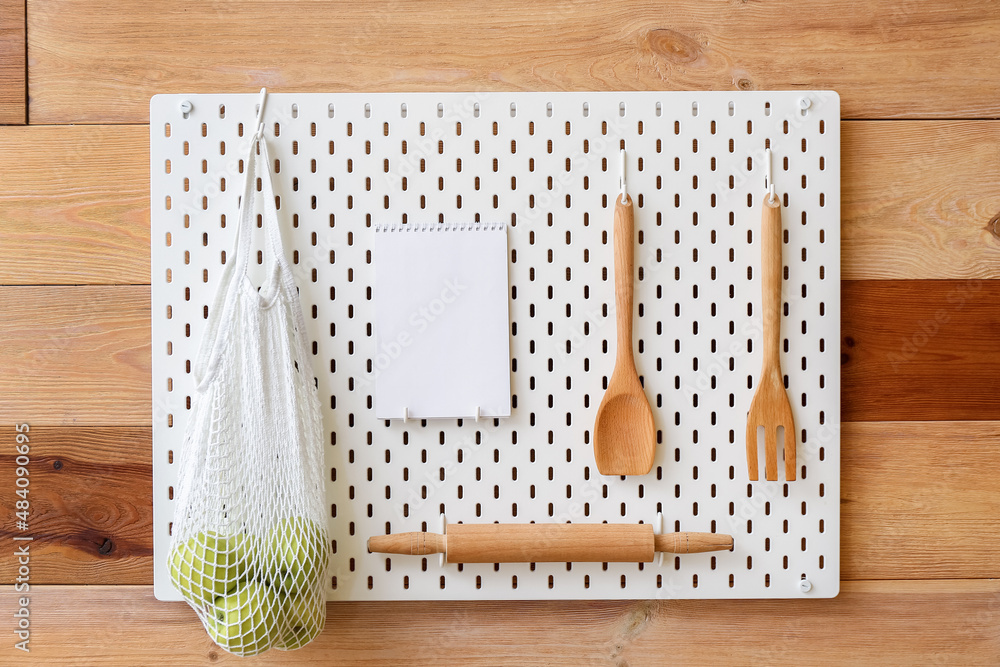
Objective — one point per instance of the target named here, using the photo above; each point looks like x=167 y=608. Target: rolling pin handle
x=693 y=543
x=408 y=544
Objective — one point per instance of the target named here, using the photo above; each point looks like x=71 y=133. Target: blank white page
x=441 y=321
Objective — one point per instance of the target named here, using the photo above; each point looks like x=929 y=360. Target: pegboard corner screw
x=186 y=107
x=805 y=585
x=805 y=103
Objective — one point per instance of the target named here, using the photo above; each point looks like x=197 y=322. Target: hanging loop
x=622 y=173
x=769 y=176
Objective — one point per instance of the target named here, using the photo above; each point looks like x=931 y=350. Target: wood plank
x=919 y=200
x=85 y=220
x=75 y=205
x=946 y=622
x=13 y=69
x=75 y=355
x=917 y=500
x=91 y=513
x=920 y=350
x=888 y=60
x=911 y=350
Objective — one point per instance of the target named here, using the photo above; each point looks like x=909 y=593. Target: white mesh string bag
x=249 y=545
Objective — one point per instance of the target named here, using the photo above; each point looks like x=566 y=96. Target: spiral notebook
x=441 y=321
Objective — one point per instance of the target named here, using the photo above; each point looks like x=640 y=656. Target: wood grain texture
x=920 y=350
x=13 y=72
x=99 y=62
x=85 y=220
x=92 y=518
x=75 y=355
x=911 y=350
x=74 y=206
x=919 y=200
x=920 y=622
x=920 y=500
x=546 y=543
x=91 y=505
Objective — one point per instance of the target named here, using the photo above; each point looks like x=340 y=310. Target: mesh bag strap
x=235 y=271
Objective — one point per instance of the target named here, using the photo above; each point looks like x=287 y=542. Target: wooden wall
x=920 y=90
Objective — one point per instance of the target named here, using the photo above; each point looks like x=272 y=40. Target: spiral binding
x=442 y=227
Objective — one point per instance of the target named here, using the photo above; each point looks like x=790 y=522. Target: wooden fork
x=770 y=407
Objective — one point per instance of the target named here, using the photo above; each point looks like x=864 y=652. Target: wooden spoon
x=624 y=433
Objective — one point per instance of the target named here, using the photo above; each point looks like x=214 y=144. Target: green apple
x=208 y=565
x=304 y=619
x=296 y=554
x=246 y=621
x=254 y=554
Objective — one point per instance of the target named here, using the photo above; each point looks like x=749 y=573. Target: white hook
x=658 y=530
x=406 y=414
x=259 y=124
x=444 y=531
x=624 y=188
x=477 y=414
x=769 y=176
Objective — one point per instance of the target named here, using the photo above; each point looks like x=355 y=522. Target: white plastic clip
x=259 y=123
x=769 y=176
x=477 y=414
x=444 y=531
x=622 y=170
x=406 y=414
x=658 y=530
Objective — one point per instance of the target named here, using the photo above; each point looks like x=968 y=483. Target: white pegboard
x=546 y=164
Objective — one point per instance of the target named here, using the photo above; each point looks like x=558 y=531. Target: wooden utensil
x=624 y=433
x=770 y=407
x=548 y=543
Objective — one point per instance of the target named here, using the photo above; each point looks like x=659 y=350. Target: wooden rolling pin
x=548 y=543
